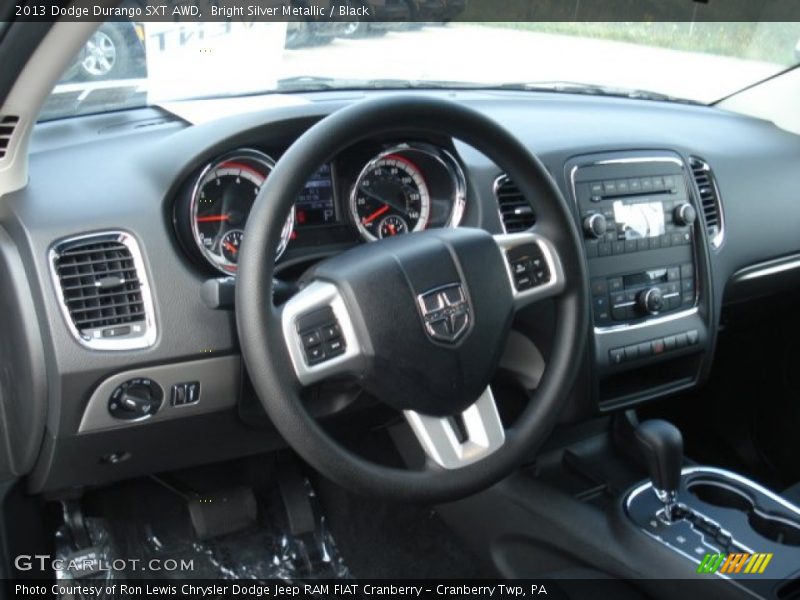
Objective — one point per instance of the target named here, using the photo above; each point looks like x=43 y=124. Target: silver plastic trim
x=717 y=240
x=445 y=158
x=249 y=154
x=146 y=338
x=217 y=377
x=495 y=187
x=767 y=269
x=557 y=281
x=437 y=436
x=650 y=322
x=320 y=294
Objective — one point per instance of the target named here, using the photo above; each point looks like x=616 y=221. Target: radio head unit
x=638 y=220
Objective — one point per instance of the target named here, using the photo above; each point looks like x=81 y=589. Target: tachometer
x=221 y=202
x=390 y=197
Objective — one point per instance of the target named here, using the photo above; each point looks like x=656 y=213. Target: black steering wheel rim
x=259 y=322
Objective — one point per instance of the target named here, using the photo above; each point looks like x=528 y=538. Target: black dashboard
x=715 y=222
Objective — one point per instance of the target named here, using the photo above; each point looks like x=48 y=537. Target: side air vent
x=515 y=211
x=7 y=125
x=103 y=291
x=709 y=200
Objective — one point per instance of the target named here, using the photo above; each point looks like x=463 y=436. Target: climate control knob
x=595 y=226
x=685 y=214
x=650 y=302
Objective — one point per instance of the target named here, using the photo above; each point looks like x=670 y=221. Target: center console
x=724 y=523
x=643 y=241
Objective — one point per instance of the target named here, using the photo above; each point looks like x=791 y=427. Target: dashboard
x=684 y=209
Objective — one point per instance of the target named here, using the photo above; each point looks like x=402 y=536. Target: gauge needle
x=394 y=205
x=213 y=218
x=230 y=247
x=375 y=215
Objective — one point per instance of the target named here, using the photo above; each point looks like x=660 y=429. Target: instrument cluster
x=365 y=195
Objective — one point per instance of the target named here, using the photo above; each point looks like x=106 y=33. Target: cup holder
x=775 y=529
x=722 y=496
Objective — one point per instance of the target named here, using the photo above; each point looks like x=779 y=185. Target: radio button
x=647 y=184
x=635 y=186
x=604 y=249
x=630 y=246
x=609 y=188
x=622 y=186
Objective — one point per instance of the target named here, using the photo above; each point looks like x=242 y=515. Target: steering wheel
x=419 y=320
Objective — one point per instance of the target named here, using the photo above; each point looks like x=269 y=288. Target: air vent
x=7 y=125
x=104 y=291
x=515 y=211
x=709 y=199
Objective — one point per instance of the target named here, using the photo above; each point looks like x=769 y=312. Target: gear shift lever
x=662 y=446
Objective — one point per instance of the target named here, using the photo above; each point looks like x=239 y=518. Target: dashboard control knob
x=685 y=214
x=595 y=226
x=650 y=301
x=135 y=399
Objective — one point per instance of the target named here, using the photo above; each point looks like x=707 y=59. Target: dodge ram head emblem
x=445 y=312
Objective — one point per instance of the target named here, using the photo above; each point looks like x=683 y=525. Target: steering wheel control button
x=135 y=399
x=528 y=266
x=321 y=336
x=185 y=393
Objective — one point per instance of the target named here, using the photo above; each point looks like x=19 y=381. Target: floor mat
x=379 y=540
x=149 y=527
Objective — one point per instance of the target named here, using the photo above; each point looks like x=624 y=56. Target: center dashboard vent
x=104 y=292
x=709 y=199
x=515 y=211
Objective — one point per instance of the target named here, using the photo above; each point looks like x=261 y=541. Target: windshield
x=127 y=64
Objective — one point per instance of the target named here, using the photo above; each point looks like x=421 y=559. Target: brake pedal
x=223 y=512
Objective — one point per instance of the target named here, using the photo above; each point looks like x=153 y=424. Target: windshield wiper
x=571 y=87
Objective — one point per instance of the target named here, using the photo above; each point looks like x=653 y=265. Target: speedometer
x=221 y=202
x=390 y=197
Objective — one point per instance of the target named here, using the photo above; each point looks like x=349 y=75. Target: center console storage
x=645 y=249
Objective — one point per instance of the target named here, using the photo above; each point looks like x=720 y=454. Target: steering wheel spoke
x=452 y=444
x=533 y=265
x=319 y=334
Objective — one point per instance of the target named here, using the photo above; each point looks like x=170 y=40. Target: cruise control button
x=311 y=338
x=315 y=354
x=330 y=332
x=334 y=347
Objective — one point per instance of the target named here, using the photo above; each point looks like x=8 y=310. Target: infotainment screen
x=315 y=204
x=639 y=220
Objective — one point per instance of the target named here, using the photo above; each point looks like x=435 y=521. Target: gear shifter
x=662 y=446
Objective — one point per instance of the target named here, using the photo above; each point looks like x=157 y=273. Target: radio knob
x=595 y=226
x=650 y=301
x=685 y=214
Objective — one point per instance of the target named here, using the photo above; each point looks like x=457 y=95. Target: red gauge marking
x=242 y=167
x=375 y=215
x=230 y=247
x=213 y=219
